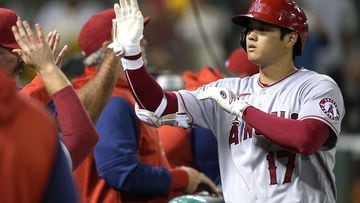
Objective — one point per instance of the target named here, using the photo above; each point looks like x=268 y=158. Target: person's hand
x=197 y=179
x=226 y=99
x=128 y=28
x=34 y=50
x=53 y=39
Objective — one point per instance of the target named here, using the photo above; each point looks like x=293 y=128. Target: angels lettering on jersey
x=240 y=131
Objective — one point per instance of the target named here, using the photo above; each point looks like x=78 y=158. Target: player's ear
x=291 y=39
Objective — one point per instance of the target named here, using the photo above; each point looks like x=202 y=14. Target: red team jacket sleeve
x=302 y=136
x=79 y=134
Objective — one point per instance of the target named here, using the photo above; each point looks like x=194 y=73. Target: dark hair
x=297 y=46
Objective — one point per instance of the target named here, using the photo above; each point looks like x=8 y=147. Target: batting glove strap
x=132 y=49
x=238 y=107
x=175 y=119
x=118 y=49
x=226 y=99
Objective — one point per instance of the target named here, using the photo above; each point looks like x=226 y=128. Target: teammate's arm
x=97 y=91
x=116 y=155
x=78 y=131
x=147 y=92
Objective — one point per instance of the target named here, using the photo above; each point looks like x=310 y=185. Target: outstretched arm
x=147 y=92
x=96 y=92
x=36 y=89
x=79 y=134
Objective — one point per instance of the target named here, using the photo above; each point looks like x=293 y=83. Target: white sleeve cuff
x=132 y=64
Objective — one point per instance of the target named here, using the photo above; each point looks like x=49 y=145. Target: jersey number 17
x=289 y=166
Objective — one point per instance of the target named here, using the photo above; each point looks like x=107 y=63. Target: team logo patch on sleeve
x=329 y=107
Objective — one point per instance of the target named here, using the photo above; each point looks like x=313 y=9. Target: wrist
x=132 y=49
x=179 y=179
x=46 y=69
x=239 y=108
x=131 y=64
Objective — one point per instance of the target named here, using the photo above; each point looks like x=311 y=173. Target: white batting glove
x=128 y=28
x=226 y=99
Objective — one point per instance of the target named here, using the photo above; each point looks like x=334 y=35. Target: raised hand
x=226 y=99
x=128 y=28
x=34 y=50
x=53 y=39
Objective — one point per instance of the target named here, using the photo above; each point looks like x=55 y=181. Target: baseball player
x=128 y=159
x=277 y=130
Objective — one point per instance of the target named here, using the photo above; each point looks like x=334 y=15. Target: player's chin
x=253 y=57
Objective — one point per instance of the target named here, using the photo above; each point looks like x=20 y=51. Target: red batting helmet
x=283 y=13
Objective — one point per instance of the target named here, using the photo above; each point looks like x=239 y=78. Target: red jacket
x=28 y=144
x=94 y=189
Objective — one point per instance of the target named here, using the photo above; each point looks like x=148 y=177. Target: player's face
x=264 y=46
x=11 y=61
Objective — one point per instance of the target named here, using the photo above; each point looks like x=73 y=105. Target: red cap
x=97 y=30
x=238 y=62
x=8 y=18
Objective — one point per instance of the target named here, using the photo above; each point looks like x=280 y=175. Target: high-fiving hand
x=128 y=28
x=38 y=52
x=35 y=50
x=53 y=39
x=226 y=99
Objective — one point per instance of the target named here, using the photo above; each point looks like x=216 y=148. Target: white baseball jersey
x=253 y=169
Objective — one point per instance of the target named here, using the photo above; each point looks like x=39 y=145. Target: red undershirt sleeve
x=148 y=93
x=302 y=136
x=79 y=134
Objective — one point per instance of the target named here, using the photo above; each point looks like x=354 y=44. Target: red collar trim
x=262 y=85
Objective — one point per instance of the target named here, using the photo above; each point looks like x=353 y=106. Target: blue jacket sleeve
x=204 y=146
x=116 y=153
